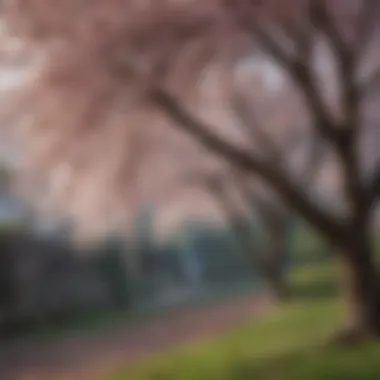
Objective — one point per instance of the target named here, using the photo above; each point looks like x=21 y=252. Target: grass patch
x=286 y=345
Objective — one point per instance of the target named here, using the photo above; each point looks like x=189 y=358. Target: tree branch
x=321 y=219
x=366 y=26
x=348 y=128
x=313 y=162
x=346 y=58
x=369 y=85
x=250 y=123
x=374 y=188
x=321 y=17
x=273 y=218
x=300 y=71
x=270 y=212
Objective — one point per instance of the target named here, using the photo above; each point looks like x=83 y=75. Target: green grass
x=288 y=344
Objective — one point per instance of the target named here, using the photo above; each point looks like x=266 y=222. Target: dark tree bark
x=361 y=286
x=274 y=261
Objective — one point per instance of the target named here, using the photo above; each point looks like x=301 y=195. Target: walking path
x=93 y=357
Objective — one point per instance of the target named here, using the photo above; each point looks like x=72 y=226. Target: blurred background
x=188 y=191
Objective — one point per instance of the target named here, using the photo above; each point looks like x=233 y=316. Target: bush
x=113 y=269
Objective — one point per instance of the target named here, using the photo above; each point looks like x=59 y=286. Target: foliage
x=113 y=267
x=217 y=250
x=306 y=245
x=47 y=282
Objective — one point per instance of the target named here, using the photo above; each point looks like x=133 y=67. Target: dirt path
x=92 y=358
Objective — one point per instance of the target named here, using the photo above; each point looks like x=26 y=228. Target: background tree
x=234 y=194
x=268 y=261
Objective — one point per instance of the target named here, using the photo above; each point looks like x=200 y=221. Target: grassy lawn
x=288 y=344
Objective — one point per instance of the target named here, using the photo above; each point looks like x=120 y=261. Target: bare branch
x=370 y=85
x=272 y=217
x=299 y=68
x=291 y=194
x=257 y=134
x=217 y=185
x=323 y=19
x=270 y=211
x=367 y=23
x=348 y=128
x=313 y=163
x=374 y=187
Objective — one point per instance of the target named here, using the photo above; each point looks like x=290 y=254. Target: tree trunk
x=362 y=289
x=274 y=262
x=279 y=285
